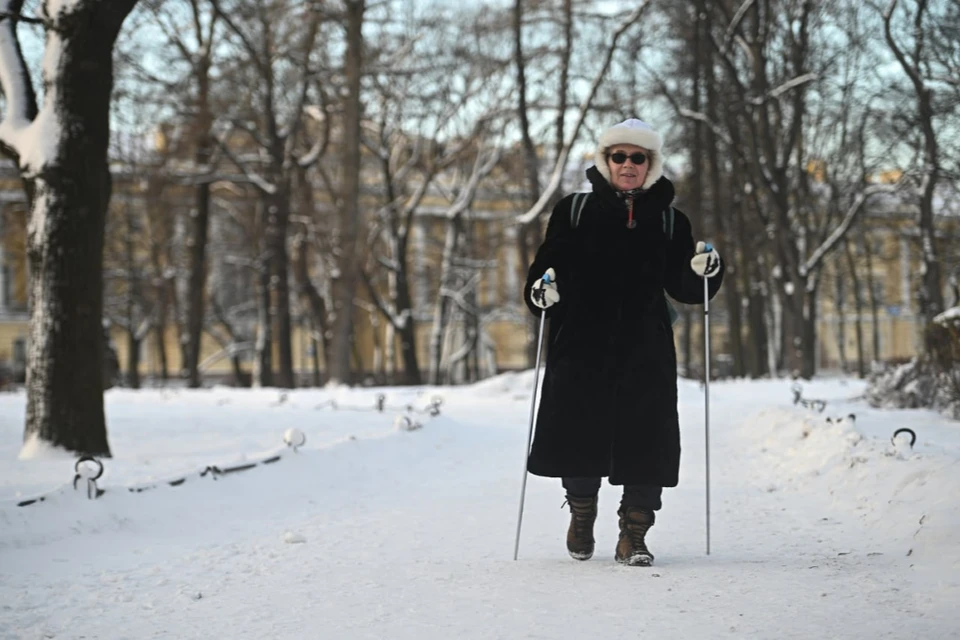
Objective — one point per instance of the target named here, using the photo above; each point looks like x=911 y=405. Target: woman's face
x=630 y=173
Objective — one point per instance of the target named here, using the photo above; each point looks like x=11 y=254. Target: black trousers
x=644 y=496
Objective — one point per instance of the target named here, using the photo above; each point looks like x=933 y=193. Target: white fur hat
x=635 y=132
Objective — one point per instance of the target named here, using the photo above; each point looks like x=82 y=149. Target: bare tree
x=452 y=288
x=193 y=38
x=915 y=62
x=275 y=43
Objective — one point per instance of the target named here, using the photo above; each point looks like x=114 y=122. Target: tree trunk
x=840 y=306
x=858 y=307
x=807 y=347
x=263 y=362
x=315 y=360
x=528 y=237
x=311 y=299
x=133 y=359
x=724 y=235
x=65 y=236
x=407 y=332
x=160 y=329
x=871 y=291
x=263 y=359
x=345 y=286
x=756 y=317
x=278 y=216
x=196 y=287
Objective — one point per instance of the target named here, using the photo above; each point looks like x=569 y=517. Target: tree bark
x=263 y=359
x=345 y=285
x=278 y=217
x=840 y=308
x=871 y=291
x=858 y=308
x=197 y=246
x=65 y=237
x=311 y=299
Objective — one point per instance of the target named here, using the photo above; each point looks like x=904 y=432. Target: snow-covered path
x=410 y=534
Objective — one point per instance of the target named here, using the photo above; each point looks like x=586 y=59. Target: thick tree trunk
x=65 y=238
x=345 y=286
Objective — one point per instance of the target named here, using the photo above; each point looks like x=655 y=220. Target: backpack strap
x=668 y=222
x=668 y=216
x=576 y=207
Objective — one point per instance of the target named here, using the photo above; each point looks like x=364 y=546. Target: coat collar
x=656 y=198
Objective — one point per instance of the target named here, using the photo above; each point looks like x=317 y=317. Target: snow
x=35 y=142
x=822 y=526
x=35 y=449
x=950 y=315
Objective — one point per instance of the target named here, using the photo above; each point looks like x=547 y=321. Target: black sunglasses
x=620 y=157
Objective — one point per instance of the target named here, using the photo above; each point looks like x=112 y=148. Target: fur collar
x=656 y=198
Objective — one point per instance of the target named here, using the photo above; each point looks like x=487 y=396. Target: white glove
x=706 y=261
x=544 y=292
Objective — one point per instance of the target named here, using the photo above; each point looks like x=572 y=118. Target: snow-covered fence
x=809 y=403
x=432 y=409
x=906 y=430
x=90 y=469
x=94 y=492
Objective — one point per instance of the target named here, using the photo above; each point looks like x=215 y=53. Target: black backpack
x=576 y=208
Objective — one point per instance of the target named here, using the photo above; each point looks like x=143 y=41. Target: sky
x=818 y=528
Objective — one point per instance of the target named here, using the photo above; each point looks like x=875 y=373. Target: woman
x=609 y=396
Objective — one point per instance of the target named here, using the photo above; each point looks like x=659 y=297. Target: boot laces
x=636 y=532
x=584 y=515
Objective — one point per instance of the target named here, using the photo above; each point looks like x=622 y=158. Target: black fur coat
x=609 y=398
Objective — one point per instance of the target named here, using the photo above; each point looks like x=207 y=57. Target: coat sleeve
x=555 y=252
x=682 y=283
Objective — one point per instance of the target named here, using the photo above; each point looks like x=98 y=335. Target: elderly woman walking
x=609 y=399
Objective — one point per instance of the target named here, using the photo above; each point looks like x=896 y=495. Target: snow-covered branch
x=253 y=177
x=15 y=82
x=775 y=93
x=735 y=23
x=840 y=231
x=481 y=168
x=17 y=17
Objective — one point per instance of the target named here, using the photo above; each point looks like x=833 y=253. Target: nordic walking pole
x=533 y=406
x=706 y=392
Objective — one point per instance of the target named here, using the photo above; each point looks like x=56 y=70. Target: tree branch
x=17 y=17
x=15 y=82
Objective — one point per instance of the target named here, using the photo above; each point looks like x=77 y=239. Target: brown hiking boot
x=583 y=513
x=632 y=548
